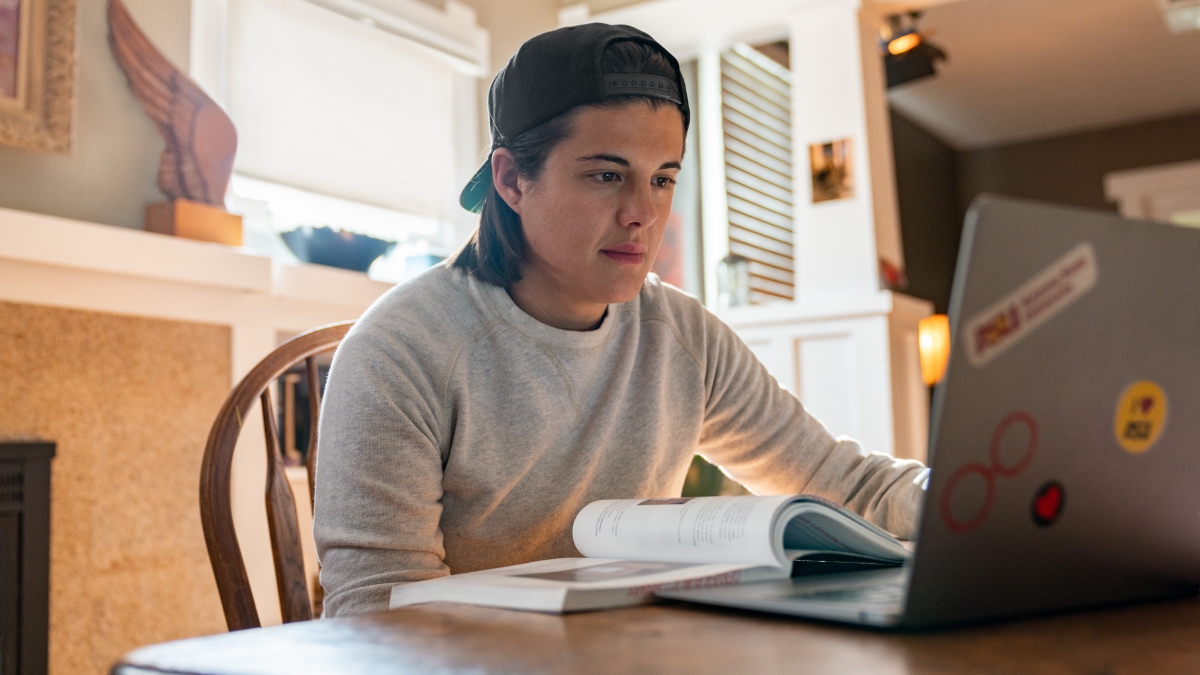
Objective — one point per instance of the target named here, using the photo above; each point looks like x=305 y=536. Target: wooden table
x=1158 y=638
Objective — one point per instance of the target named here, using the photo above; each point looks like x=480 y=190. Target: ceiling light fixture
x=907 y=53
x=1181 y=15
x=903 y=43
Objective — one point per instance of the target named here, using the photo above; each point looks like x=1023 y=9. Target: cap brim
x=477 y=188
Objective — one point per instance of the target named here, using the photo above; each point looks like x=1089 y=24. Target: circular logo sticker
x=1141 y=416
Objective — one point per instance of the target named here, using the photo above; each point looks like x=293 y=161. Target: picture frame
x=831 y=166
x=37 y=73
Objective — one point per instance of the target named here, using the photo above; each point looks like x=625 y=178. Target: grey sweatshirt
x=459 y=433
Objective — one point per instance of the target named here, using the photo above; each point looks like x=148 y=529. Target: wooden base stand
x=193 y=220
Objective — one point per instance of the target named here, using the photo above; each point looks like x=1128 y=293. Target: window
x=756 y=109
x=333 y=105
x=353 y=115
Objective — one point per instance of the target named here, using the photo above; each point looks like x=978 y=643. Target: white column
x=837 y=92
x=714 y=206
x=886 y=207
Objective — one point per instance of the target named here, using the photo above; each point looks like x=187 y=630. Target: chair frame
x=216 y=510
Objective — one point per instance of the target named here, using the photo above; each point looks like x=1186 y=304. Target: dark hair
x=496 y=249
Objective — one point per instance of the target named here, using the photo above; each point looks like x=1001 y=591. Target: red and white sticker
x=1008 y=321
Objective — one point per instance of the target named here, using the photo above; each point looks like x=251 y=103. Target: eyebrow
x=621 y=161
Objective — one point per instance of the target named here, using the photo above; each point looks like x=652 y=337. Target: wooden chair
x=216 y=511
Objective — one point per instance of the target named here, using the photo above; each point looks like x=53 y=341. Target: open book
x=635 y=547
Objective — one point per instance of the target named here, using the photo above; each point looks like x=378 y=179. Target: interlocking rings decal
x=989 y=473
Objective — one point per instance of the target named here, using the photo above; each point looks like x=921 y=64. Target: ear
x=506 y=179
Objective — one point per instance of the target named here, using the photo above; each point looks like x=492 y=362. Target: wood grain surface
x=441 y=638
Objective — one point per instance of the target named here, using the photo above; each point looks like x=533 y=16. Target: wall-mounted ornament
x=37 y=73
x=201 y=142
x=832 y=168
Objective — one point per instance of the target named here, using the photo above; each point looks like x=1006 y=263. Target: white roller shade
x=325 y=103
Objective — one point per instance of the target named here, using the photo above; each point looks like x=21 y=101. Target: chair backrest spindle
x=286 y=549
x=216 y=511
x=314 y=412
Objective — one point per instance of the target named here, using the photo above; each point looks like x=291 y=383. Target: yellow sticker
x=1141 y=416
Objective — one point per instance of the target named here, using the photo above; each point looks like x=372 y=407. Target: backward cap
x=554 y=72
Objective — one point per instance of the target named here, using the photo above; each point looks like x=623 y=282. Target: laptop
x=1065 y=436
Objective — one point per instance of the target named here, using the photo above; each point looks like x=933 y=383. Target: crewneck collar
x=507 y=311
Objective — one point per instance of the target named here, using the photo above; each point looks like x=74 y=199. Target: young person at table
x=472 y=412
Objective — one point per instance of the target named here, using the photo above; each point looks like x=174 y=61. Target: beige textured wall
x=129 y=401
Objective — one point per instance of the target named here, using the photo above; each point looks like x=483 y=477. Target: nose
x=637 y=207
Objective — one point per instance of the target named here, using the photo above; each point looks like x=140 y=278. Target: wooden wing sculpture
x=201 y=141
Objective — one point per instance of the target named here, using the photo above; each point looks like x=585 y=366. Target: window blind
x=756 y=106
x=325 y=103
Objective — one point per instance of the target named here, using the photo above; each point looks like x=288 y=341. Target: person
x=473 y=411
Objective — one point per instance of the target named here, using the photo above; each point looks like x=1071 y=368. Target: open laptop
x=1065 y=437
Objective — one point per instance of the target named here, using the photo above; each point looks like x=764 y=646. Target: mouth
x=626 y=254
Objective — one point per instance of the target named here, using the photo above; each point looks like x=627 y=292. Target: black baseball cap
x=559 y=70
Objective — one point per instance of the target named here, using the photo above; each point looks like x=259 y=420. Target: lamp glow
x=933 y=340
x=904 y=43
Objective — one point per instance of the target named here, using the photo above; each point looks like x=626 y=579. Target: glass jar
x=733 y=281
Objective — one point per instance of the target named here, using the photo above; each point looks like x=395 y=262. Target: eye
x=663 y=181
x=608 y=176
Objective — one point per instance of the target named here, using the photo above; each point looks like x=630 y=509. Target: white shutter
x=756 y=107
x=325 y=103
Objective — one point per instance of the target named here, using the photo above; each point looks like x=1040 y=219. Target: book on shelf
x=635 y=547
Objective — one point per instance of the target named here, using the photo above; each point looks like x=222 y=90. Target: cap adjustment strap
x=636 y=84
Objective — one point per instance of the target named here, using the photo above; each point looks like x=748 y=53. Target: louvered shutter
x=756 y=106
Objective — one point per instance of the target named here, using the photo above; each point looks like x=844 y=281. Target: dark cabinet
x=24 y=557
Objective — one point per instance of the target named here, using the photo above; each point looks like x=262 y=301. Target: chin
x=625 y=290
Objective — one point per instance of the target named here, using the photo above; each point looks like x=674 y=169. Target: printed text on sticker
x=1006 y=322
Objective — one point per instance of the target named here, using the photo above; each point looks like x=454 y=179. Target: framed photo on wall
x=37 y=73
x=832 y=170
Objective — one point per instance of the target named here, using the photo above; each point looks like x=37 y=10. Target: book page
x=570 y=584
x=591 y=573
x=813 y=526
x=685 y=530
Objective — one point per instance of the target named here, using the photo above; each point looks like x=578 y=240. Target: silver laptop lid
x=1065 y=441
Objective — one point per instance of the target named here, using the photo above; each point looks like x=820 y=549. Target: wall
x=129 y=402
x=926 y=188
x=509 y=23
x=1070 y=169
x=936 y=183
x=111 y=172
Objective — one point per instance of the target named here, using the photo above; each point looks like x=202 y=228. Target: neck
x=552 y=309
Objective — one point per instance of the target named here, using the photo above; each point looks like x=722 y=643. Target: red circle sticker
x=998 y=436
x=989 y=495
x=989 y=473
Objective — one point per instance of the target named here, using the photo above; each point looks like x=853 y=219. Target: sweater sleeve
x=379 y=475
x=761 y=435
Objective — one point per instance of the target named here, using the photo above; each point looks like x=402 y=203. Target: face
x=595 y=216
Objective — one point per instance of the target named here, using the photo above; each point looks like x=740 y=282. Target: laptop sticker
x=1017 y=431
x=1140 y=417
x=1048 y=503
x=992 y=331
